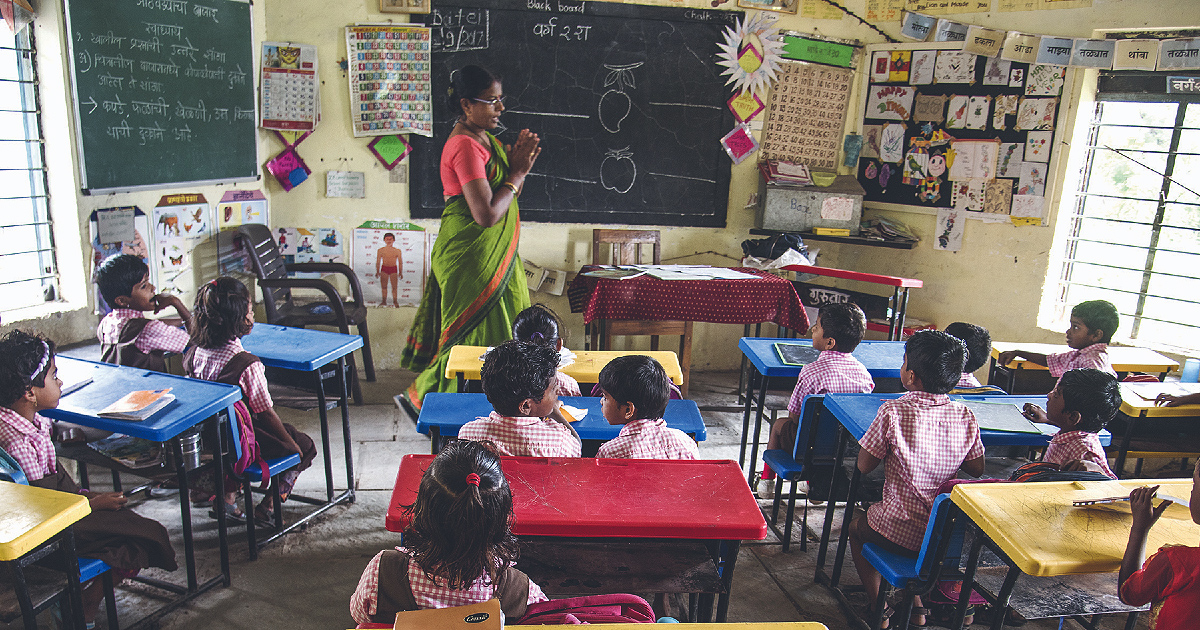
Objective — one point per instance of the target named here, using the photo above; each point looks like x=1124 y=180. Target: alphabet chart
x=389 y=79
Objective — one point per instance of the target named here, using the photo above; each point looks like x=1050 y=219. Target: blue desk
x=856 y=412
x=881 y=358
x=196 y=402
x=442 y=415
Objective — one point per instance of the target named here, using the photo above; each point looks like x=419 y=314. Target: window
x=29 y=273
x=1133 y=236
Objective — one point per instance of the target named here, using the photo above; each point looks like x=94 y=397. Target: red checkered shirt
x=155 y=336
x=968 y=380
x=923 y=439
x=363 y=604
x=208 y=363
x=1071 y=445
x=567 y=386
x=1093 y=356
x=832 y=373
x=649 y=439
x=523 y=437
x=28 y=442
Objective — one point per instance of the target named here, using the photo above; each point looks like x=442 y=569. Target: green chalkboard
x=164 y=92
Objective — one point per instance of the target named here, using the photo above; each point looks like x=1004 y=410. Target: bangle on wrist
x=511 y=186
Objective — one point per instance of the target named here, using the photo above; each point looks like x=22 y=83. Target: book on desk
x=138 y=406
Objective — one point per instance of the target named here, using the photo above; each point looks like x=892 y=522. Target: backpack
x=230 y=375
x=620 y=608
x=1045 y=471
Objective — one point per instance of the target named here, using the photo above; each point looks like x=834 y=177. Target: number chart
x=389 y=80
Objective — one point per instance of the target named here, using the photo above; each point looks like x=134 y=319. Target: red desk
x=619 y=498
x=899 y=294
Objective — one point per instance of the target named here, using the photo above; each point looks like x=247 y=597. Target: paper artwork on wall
x=389 y=259
x=929 y=108
x=974 y=159
x=1044 y=80
x=1016 y=78
x=1028 y=206
x=956 y=115
x=997 y=196
x=1009 y=162
x=916 y=165
x=954 y=66
x=739 y=143
x=871 y=134
x=180 y=222
x=891 y=143
x=389 y=150
x=949 y=230
x=996 y=71
x=890 y=102
x=1033 y=179
x=881 y=66
x=289 y=169
x=298 y=244
x=238 y=207
x=977 y=112
x=967 y=195
x=1035 y=113
x=900 y=62
x=921 y=70
x=1006 y=104
x=1037 y=146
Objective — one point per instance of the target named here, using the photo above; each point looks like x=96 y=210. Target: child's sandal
x=232 y=512
x=919 y=612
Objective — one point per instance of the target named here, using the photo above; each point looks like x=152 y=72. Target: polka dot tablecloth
x=766 y=298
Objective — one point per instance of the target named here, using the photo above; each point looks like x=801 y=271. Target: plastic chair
x=816 y=443
x=254 y=474
x=282 y=309
x=941 y=548
x=89 y=568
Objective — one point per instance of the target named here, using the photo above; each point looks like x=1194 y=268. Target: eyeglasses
x=494 y=102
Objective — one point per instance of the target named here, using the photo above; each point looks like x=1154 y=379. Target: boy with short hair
x=1082 y=402
x=634 y=391
x=923 y=438
x=1092 y=326
x=126 y=337
x=836 y=333
x=518 y=378
x=979 y=348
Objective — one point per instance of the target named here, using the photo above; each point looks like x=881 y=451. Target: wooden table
x=1039 y=533
x=648 y=500
x=900 y=287
x=36 y=523
x=1124 y=359
x=1136 y=409
x=466 y=361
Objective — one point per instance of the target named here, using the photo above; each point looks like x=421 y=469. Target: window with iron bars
x=1133 y=235
x=29 y=275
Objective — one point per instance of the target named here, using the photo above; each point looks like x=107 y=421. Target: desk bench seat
x=568 y=568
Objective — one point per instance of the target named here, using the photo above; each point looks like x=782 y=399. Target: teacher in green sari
x=477 y=285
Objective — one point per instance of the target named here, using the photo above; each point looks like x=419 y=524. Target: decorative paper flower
x=751 y=52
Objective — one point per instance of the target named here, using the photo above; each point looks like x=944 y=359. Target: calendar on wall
x=806 y=114
x=290 y=97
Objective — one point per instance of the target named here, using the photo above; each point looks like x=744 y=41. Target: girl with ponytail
x=458 y=548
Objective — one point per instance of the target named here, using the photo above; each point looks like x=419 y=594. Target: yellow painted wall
x=995 y=281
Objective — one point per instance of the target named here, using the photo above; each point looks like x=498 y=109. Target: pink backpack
x=250 y=454
x=621 y=608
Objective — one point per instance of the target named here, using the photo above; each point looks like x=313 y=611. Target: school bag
x=619 y=608
x=230 y=375
x=124 y=352
x=394 y=591
x=1046 y=471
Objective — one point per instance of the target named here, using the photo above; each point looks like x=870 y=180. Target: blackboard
x=164 y=91
x=570 y=70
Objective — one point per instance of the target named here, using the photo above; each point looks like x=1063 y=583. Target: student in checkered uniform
x=1082 y=402
x=126 y=337
x=518 y=378
x=923 y=439
x=1092 y=326
x=979 y=347
x=225 y=314
x=634 y=393
x=458 y=548
x=538 y=324
x=836 y=333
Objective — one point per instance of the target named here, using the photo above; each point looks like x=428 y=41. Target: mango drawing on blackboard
x=618 y=170
x=615 y=103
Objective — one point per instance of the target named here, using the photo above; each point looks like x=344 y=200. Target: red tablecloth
x=767 y=298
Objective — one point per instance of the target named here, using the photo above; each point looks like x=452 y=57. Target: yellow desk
x=1136 y=408
x=465 y=364
x=770 y=625
x=33 y=515
x=1124 y=359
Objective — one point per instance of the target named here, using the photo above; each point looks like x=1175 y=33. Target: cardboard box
x=485 y=616
x=789 y=209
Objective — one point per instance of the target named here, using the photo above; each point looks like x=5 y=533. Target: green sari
x=475 y=290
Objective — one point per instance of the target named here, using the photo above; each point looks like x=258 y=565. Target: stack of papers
x=1150 y=391
x=887 y=229
x=785 y=173
x=139 y=405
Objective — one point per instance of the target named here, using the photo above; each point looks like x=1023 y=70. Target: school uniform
x=1093 y=356
x=127 y=338
x=922 y=439
x=566 y=385
x=1170 y=579
x=523 y=436
x=1066 y=446
x=967 y=380
x=393 y=582
x=122 y=538
x=832 y=373
x=648 y=438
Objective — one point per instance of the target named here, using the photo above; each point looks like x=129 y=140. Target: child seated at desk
x=538 y=324
x=1082 y=402
x=634 y=393
x=518 y=379
x=123 y=539
x=979 y=348
x=836 y=333
x=458 y=548
x=1092 y=326
x=923 y=438
x=225 y=314
x=1170 y=579
x=126 y=337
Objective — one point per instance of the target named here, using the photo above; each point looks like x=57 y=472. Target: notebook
x=796 y=354
x=139 y=405
x=1001 y=417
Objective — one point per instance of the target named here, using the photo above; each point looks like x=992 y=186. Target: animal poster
x=1033 y=179
x=137 y=245
x=954 y=66
x=1009 y=162
x=916 y=165
x=974 y=159
x=891 y=143
x=996 y=71
x=805 y=115
x=871 y=133
x=180 y=223
x=1044 y=80
x=921 y=70
x=238 y=207
x=390 y=261
x=949 y=231
x=1037 y=146
x=1036 y=113
x=890 y=102
x=1006 y=105
x=997 y=196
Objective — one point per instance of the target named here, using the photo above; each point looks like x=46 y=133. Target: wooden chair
x=625 y=247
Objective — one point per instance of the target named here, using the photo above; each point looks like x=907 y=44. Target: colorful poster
x=135 y=244
x=389 y=76
x=1033 y=179
x=390 y=260
x=241 y=206
x=1044 y=80
x=290 y=94
x=967 y=195
x=954 y=66
x=890 y=102
x=1009 y=162
x=898 y=69
x=1037 y=146
x=921 y=72
x=1136 y=54
x=881 y=66
x=180 y=222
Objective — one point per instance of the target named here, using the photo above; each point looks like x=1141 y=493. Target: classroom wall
x=995 y=281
